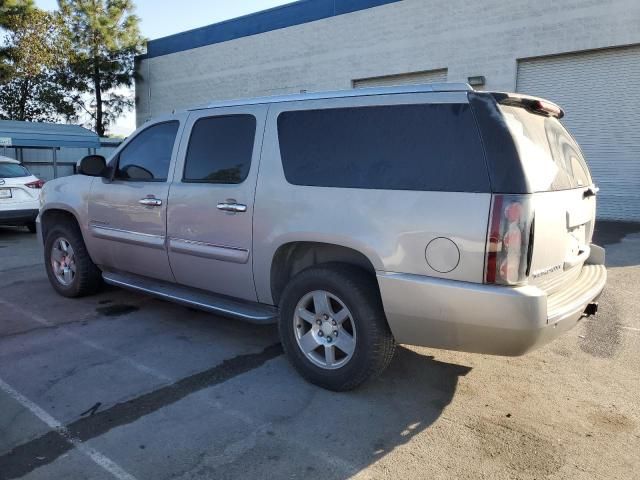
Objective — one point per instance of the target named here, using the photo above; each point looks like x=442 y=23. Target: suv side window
x=220 y=149
x=147 y=157
x=429 y=147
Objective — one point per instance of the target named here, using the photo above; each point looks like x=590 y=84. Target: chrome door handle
x=150 y=202
x=232 y=207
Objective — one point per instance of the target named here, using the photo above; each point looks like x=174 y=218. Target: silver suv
x=428 y=215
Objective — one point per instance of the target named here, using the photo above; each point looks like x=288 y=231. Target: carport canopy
x=45 y=135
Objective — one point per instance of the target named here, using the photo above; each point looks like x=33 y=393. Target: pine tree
x=10 y=11
x=105 y=38
x=33 y=50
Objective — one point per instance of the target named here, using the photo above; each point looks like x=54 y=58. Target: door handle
x=150 y=202
x=232 y=207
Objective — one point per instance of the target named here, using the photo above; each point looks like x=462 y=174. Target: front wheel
x=333 y=328
x=69 y=267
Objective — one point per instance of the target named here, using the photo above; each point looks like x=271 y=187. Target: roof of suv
x=360 y=92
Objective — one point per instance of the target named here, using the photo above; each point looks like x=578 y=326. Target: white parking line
x=633 y=329
x=98 y=458
x=62 y=329
x=240 y=447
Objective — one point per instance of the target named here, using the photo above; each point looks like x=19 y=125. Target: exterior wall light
x=477 y=81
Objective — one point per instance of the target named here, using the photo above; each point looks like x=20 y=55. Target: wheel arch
x=293 y=257
x=56 y=214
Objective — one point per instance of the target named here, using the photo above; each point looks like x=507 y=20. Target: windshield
x=13 y=170
x=551 y=158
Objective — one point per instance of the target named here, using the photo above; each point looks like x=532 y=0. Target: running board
x=190 y=297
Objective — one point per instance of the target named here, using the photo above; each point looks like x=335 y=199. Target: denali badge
x=540 y=273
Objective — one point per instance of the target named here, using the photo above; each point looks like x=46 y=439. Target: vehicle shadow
x=409 y=397
x=8 y=232
x=621 y=241
x=337 y=435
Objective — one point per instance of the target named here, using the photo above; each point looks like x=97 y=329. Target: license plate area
x=5 y=193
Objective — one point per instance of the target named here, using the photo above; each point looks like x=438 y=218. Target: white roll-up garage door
x=413 y=78
x=599 y=93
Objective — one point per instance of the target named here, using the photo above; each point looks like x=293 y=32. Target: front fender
x=70 y=195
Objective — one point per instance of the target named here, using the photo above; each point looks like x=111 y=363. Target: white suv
x=19 y=194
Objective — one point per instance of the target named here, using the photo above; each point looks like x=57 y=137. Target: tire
x=365 y=331
x=31 y=226
x=87 y=278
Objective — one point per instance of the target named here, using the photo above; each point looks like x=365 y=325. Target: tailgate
x=563 y=229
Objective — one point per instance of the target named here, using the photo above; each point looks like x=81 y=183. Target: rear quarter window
x=429 y=147
x=550 y=156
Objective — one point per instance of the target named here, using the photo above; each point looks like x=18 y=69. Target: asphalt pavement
x=120 y=385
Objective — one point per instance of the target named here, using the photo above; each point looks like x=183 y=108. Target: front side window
x=220 y=149
x=148 y=155
x=427 y=147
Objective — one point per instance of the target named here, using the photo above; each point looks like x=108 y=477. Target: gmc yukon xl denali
x=429 y=215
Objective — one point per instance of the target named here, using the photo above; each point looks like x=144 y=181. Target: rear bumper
x=482 y=318
x=17 y=217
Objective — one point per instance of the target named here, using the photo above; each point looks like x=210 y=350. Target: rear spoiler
x=536 y=105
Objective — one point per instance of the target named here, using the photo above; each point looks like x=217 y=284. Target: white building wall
x=485 y=37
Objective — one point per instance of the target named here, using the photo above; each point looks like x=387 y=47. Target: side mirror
x=93 y=166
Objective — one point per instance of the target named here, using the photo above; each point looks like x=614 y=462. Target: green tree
x=105 y=38
x=34 y=49
x=10 y=10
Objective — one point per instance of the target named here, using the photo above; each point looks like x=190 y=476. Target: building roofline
x=359 y=92
x=296 y=13
x=47 y=135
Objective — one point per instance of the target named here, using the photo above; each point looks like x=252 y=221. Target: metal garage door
x=599 y=93
x=413 y=78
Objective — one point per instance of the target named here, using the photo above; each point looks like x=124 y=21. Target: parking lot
x=120 y=385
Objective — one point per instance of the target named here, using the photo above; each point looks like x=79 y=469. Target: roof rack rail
x=360 y=92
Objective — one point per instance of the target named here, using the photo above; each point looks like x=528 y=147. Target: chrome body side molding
x=209 y=250
x=127 y=236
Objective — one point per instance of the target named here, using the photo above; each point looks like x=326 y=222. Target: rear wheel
x=333 y=327
x=69 y=267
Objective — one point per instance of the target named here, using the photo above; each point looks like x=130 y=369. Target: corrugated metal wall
x=39 y=161
x=599 y=93
x=413 y=78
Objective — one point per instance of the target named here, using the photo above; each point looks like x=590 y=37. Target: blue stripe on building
x=303 y=11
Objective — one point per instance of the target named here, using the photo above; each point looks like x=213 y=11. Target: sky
x=160 y=18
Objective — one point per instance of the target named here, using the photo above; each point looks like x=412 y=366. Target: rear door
x=127 y=214
x=210 y=212
x=563 y=197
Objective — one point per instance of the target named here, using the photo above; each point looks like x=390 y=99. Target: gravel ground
x=123 y=386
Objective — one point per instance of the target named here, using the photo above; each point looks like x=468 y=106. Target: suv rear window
x=429 y=147
x=13 y=170
x=550 y=156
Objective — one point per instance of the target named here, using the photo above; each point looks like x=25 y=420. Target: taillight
x=36 y=184
x=508 y=240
